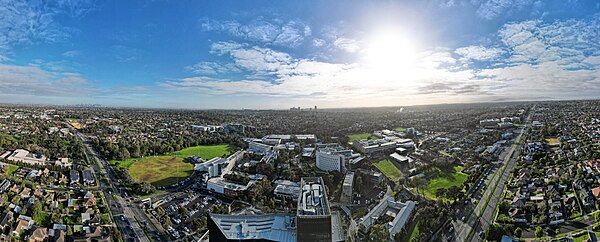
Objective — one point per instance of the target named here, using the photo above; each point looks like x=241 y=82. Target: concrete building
x=313 y=215
x=21 y=155
x=330 y=160
x=347 y=187
x=63 y=163
x=401 y=212
x=222 y=186
x=399 y=158
x=218 y=166
x=489 y=123
x=267 y=227
x=313 y=221
x=259 y=148
x=373 y=147
x=285 y=189
x=310 y=138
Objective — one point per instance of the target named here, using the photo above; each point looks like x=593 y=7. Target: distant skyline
x=279 y=54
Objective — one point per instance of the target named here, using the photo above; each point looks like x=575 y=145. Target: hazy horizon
x=277 y=55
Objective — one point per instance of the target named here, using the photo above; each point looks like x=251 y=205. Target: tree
x=518 y=232
x=199 y=224
x=123 y=154
x=539 y=232
x=440 y=192
x=379 y=233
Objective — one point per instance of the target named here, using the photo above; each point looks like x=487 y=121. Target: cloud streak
x=272 y=32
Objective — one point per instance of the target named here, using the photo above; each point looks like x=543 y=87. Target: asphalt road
x=124 y=218
x=474 y=226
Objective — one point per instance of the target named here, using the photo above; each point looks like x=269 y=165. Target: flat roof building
x=346 y=196
x=401 y=212
x=312 y=222
x=267 y=227
x=313 y=215
x=286 y=189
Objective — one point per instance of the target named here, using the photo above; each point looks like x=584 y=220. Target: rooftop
x=273 y=227
x=313 y=199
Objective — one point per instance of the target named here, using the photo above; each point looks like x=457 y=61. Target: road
x=122 y=210
x=473 y=229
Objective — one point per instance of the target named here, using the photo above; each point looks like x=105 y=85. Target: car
x=463 y=218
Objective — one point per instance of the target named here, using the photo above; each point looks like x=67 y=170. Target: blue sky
x=278 y=54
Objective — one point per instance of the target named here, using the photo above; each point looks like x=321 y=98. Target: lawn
x=12 y=169
x=124 y=163
x=160 y=170
x=353 y=137
x=552 y=140
x=207 y=152
x=388 y=169
x=581 y=238
x=413 y=235
x=445 y=180
x=400 y=129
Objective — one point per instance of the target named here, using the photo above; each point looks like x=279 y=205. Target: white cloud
x=479 y=53
x=71 y=53
x=24 y=22
x=565 y=41
x=319 y=42
x=534 y=60
x=490 y=9
x=346 y=44
x=212 y=68
x=4 y=58
x=32 y=80
x=275 y=32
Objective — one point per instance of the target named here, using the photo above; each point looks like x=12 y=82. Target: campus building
x=401 y=212
x=330 y=160
x=347 y=188
x=313 y=214
x=313 y=221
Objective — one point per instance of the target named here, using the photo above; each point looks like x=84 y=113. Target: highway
x=474 y=226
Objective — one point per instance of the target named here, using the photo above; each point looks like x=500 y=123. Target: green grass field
x=445 y=180
x=353 y=137
x=400 y=129
x=388 y=169
x=160 y=170
x=413 y=235
x=207 y=152
x=124 y=163
x=168 y=169
x=11 y=170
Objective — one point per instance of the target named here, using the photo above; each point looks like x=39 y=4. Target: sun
x=390 y=50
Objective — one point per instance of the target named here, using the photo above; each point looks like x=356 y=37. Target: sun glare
x=390 y=51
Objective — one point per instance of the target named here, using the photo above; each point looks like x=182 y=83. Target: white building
x=21 y=155
x=259 y=148
x=330 y=160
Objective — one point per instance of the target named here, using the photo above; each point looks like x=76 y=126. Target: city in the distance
x=309 y=121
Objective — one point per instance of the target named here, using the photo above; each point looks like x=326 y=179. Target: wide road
x=473 y=229
x=124 y=217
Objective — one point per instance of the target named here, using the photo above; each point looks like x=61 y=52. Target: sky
x=279 y=54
